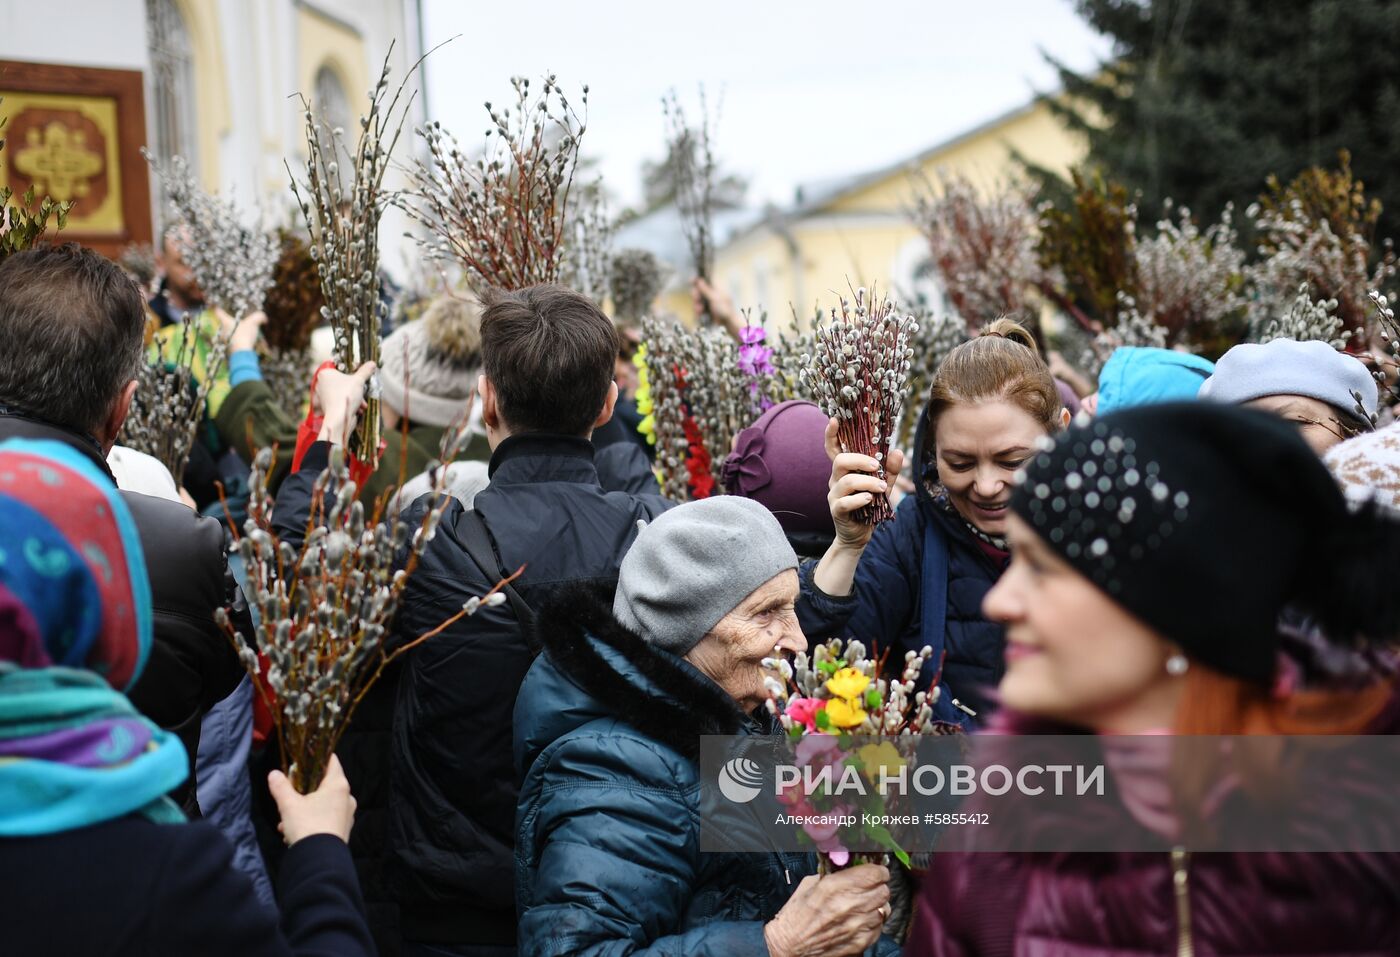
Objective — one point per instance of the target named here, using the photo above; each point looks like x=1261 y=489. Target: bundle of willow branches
x=662 y=340
x=503 y=217
x=293 y=308
x=724 y=393
x=168 y=408
x=860 y=375
x=1307 y=319
x=342 y=211
x=231 y=261
x=635 y=280
x=325 y=607
x=588 y=244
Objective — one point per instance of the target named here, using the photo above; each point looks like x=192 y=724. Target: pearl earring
x=1177 y=665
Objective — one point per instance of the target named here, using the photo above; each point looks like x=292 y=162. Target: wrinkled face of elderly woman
x=732 y=653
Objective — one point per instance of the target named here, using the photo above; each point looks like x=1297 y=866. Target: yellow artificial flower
x=844 y=714
x=881 y=759
x=647 y=426
x=848 y=683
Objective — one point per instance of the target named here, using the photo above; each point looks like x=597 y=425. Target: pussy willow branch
x=343 y=219
x=504 y=217
x=693 y=173
x=325 y=608
x=168 y=409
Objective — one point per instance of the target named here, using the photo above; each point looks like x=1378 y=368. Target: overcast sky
x=811 y=90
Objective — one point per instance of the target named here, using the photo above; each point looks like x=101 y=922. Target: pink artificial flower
x=818 y=749
x=804 y=711
x=822 y=828
x=835 y=853
x=755 y=360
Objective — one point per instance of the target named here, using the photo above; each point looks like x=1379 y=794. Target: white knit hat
x=1368 y=467
x=428 y=367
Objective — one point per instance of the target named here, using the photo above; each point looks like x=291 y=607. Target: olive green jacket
x=251 y=418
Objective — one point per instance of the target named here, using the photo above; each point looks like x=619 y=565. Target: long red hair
x=1214 y=703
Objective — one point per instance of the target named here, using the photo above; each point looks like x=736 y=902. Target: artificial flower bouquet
x=840 y=714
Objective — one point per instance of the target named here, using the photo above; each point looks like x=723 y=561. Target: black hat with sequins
x=1204 y=521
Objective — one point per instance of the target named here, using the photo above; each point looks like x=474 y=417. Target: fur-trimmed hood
x=592 y=667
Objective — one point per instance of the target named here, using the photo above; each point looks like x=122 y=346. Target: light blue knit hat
x=1287 y=367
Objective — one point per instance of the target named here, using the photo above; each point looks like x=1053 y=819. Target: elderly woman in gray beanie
x=607 y=737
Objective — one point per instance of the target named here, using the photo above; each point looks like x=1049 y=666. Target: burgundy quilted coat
x=1171 y=902
x=1115 y=905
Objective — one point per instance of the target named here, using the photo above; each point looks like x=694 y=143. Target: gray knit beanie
x=428 y=367
x=1287 y=367
x=694 y=564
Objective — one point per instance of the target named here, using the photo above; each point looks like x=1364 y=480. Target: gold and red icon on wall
x=65 y=147
x=74 y=134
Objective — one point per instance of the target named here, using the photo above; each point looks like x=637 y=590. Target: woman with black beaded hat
x=1153 y=554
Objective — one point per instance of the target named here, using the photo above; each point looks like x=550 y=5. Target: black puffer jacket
x=192 y=665
x=453 y=784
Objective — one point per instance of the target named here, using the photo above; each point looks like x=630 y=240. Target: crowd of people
x=1187 y=549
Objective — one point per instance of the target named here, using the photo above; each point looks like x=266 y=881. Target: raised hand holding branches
x=343 y=211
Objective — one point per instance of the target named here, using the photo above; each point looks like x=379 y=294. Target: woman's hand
x=338 y=397
x=831 y=916
x=706 y=297
x=853 y=486
x=243 y=334
x=330 y=809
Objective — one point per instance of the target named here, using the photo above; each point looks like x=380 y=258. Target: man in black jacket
x=71 y=338
x=548 y=356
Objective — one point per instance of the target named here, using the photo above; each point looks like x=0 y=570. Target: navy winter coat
x=898 y=572
x=134 y=887
x=607 y=833
x=921 y=581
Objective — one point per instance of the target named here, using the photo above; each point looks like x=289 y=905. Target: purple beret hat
x=780 y=462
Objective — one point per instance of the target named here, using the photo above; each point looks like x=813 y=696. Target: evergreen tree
x=1201 y=101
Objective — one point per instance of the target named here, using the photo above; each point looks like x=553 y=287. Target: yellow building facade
x=859 y=232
